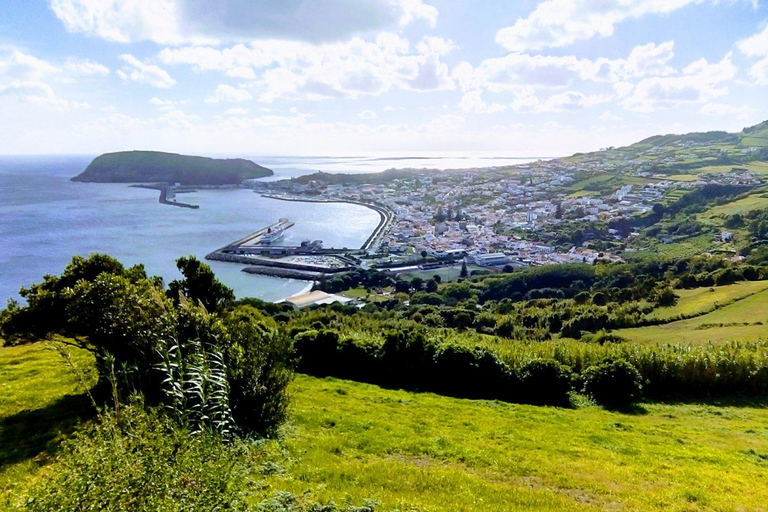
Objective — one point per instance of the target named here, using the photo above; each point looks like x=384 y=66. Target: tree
x=424 y=255
x=200 y=284
x=431 y=286
x=402 y=286
x=417 y=283
x=464 y=272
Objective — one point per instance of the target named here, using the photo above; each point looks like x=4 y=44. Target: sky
x=356 y=77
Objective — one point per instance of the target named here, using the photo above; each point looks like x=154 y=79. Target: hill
x=155 y=167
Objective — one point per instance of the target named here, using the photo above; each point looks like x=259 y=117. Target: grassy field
x=688 y=247
x=682 y=177
x=745 y=319
x=703 y=300
x=741 y=206
x=40 y=400
x=761 y=167
x=349 y=442
x=412 y=451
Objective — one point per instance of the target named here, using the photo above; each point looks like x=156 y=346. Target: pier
x=164 y=191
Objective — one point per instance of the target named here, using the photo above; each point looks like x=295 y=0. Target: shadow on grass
x=753 y=402
x=630 y=410
x=29 y=434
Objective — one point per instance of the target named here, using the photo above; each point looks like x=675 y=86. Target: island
x=159 y=167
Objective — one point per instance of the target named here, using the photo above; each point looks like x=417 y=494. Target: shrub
x=613 y=383
x=546 y=382
x=140 y=461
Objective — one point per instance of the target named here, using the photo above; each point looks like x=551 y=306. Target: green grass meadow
x=349 y=442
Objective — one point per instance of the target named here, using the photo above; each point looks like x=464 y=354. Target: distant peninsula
x=158 y=167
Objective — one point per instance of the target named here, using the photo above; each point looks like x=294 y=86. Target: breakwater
x=164 y=190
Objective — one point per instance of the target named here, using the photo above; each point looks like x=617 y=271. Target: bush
x=140 y=461
x=546 y=382
x=613 y=383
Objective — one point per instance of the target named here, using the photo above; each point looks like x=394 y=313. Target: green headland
x=157 y=167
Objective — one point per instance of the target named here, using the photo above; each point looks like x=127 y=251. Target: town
x=544 y=212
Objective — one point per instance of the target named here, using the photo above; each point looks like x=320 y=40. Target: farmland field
x=744 y=320
x=419 y=451
x=702 y=300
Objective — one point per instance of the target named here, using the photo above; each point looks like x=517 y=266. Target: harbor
x=263 y=254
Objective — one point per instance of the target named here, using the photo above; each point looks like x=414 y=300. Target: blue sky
x=522 y=78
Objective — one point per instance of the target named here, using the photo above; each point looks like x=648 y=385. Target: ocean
x=45 y=219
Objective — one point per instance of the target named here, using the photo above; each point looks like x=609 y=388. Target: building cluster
x=509 y=216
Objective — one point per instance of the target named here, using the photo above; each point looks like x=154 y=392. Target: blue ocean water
x=45 y=219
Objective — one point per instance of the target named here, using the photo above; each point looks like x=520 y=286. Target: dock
x=255 y=238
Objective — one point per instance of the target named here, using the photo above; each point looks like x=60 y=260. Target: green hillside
x=157 y=167
x=348 y=442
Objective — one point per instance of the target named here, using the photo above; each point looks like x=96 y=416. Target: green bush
x=613 y=383
x=546 y=382
x=139 y=461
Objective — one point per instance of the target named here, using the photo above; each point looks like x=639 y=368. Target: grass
x=688 y=247
x=682 y=177
x=349 y=442
x=703 y=300
x=759 y=167
x=740 y=206
x=744 y=320
x=40 y=400
x=418 y=451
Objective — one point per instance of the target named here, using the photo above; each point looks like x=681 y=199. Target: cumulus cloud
x=757 y=46
x=202 y=22
x=236 y=111
x=699 y=82
x=556 y=23
x=25 y=66
x=367 y=114
x=85 y=67
x=298 y=70
x=514 y=70
x=229 y=94
x=144 y=73
x=723 y=110
x=37 y=93
x=609 y=116
x=472 y=103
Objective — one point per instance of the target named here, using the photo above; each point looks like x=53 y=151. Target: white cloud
x=145 y=73
x=608 y=116
x=757 y=45
x=699 y=82
x=122 y=21
x=472 y=103
x=297 y=70
x=38 y=93
x=759 y=71
x=650 y=59
x=167 y=105
x=26 y=67
x=85 y=67
x=198 y=22
x=236 y=111
x=229 y=94
x=556 y=23
x=367 y=114
x=723 y=110
x=521 y=69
